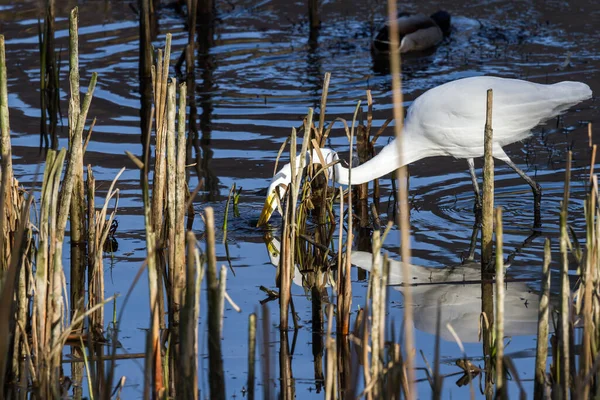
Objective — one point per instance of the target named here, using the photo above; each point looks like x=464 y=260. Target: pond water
x=255 y=82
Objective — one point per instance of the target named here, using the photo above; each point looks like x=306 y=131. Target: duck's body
x=417 y=32
x=450 y=119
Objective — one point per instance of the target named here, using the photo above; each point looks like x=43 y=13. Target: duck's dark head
x=442 y=19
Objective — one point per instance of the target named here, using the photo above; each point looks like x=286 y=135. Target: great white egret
x=449 y=120
x=417 y=32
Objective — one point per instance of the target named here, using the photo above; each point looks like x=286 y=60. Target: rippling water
x=256 y=78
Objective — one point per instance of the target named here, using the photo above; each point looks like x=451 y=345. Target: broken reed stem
x=375 y=284
x=285 y=267
x=565 y=302
x=160 y=101
x=6 y=178
x=321 y=138
x=500 y=385
x=265 y=368
x=175 y=284
x=188 y=362
x=487 y=223
x=330 y=347
x=77 y=204
x=180 y=184
x=6 y=170
x=251 y=355
x=216 y=373
x=226 y=216
x=345 y=271
x=586 y=357
x=153 y=352
x=542 y=331
x=403 y=223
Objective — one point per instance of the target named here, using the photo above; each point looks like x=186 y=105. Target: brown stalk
x=403 y=223
x=500 y=384
x=216 y=373
x=542 y=331
x=565 y=298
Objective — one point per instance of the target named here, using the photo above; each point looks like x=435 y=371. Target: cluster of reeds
x=38 y=317
x=38 y=320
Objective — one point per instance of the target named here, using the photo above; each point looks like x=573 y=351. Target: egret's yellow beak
x=271 y=247
x=268 y=208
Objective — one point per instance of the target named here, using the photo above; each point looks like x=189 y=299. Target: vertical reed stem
x=216 y=374
x=487 y=231
x=251 y=354
x=542 y=331
x=6 y=171
x=500 y=385
x=487 y=225
x=565 y=298
x=403 y=223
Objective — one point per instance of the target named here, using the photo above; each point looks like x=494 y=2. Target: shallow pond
x=256 y=78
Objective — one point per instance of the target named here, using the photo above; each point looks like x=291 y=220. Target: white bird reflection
x=458 y=289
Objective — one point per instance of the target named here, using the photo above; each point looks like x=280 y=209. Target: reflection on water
x=458 y=291
x=456 y=288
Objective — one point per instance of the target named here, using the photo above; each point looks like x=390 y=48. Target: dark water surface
x=256 y=81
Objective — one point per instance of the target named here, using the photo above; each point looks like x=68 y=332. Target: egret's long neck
x=388 y=160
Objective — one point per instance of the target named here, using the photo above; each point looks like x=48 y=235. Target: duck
x=418 y=32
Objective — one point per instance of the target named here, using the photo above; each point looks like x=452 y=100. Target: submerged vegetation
x=43 y=326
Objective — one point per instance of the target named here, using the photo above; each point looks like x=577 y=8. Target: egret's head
x=275 y=194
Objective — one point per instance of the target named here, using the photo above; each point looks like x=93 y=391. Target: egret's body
x=450 y=119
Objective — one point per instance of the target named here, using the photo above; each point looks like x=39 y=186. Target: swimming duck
x=417 y=32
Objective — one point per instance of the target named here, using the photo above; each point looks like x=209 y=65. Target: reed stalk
x=345 y=269
x=285 y=268
x=216 y=373
x=159 y=184
x=542 y=331
x=330 y=378
x=181 y=192
x=587 y=275
x=403 y=217
x=6 y=170
x=188 y=383
x=251 y=355
x=265 y=368
x=45 y=296
x=487 y=223
x=499 y=320
x=153 y=359
x=564 y=372
x=376 y=324
x=77 y=207
x=487 y=231
x=313 y=14
x=226 y=216
x=321 y=137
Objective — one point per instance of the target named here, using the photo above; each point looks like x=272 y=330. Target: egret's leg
x=535 y=188
x=475 y=184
